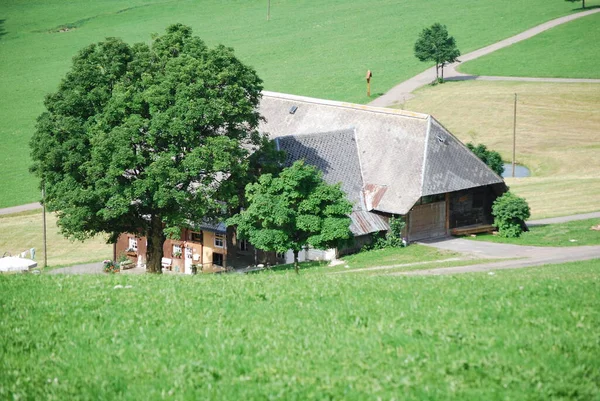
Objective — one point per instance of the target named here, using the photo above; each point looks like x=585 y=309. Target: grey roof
x=399 y=155
x=334 y=153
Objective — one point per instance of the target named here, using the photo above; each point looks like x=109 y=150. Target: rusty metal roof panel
x=366 y=222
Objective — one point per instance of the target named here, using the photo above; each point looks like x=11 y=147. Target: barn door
x=427 y=221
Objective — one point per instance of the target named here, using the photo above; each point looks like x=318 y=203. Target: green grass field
x=573 y=233
x=320 y=49
x=566 y=51
x=529 y=334
x=557 y=135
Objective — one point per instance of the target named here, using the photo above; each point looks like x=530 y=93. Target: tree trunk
x=442 y=72
x=156 y=240
x=582 y=3
x=296 y=266
x=437 y=66
x=232 y=246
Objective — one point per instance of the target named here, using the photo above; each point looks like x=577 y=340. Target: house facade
x=203 y=248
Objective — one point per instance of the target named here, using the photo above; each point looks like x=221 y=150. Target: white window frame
x=132 y=244
x=244 y=245
x=219 y=241
x=177 y=249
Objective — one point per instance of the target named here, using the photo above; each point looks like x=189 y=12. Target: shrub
x=510 y=213
x=391 y=239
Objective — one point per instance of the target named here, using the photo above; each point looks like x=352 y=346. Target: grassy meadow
x=529 y=334
x=311 y=48
x=566 y=51
x=557 y=135
x=20 y=232
x=572 y=233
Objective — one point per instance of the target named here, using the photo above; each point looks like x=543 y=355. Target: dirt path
x=529 y=256
x=403 y=91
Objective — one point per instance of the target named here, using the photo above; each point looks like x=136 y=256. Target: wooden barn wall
x=471 y=206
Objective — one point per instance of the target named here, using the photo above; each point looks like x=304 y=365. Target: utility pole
x=44 y=218
x=268 y=10
x=514 y=136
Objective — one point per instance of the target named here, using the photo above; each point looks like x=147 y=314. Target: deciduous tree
x=294 y=210
x=435 y=44
x=489 y=157
x=139 y=138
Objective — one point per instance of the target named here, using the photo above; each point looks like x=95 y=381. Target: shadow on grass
x=2 y=30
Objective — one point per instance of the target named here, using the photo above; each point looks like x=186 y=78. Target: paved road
x=527 y=255
x=21 y=208
x=403 y=91
x=564 y=219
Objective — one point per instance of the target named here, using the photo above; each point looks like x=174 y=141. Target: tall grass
x=528 y=334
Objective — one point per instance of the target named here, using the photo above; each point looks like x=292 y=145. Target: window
x=132 y=245
x=196 y=236
x=218 y=259
x=219 y=240
x=176 y=251
x=243 y=245
x=280 y=255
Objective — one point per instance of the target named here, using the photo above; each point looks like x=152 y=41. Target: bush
x=391 y=239
x=510 y=213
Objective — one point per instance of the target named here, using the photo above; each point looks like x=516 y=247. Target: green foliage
x=391 y=239
x=489 y=157
x=294 y=210
x=435 y=44
x=138 y=136
x=510 y=213
x=529 y=333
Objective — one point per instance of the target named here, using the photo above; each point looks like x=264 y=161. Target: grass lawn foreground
x=521 y=334
x=566 y=51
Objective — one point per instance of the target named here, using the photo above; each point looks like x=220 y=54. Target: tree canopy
x=435 y=44
x=293 y=210
x=488 y=156
x=140 y=138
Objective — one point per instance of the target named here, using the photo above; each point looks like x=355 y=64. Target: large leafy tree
x=488 y=156
x=293 y=210
x=140 y=138
x=435 y=44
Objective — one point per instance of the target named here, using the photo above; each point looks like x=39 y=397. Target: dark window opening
x=196 y=236
x=218 y=259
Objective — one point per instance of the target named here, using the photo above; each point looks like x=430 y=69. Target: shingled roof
x=385 y=159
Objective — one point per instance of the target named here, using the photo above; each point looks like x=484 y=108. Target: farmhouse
x=389 y=162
